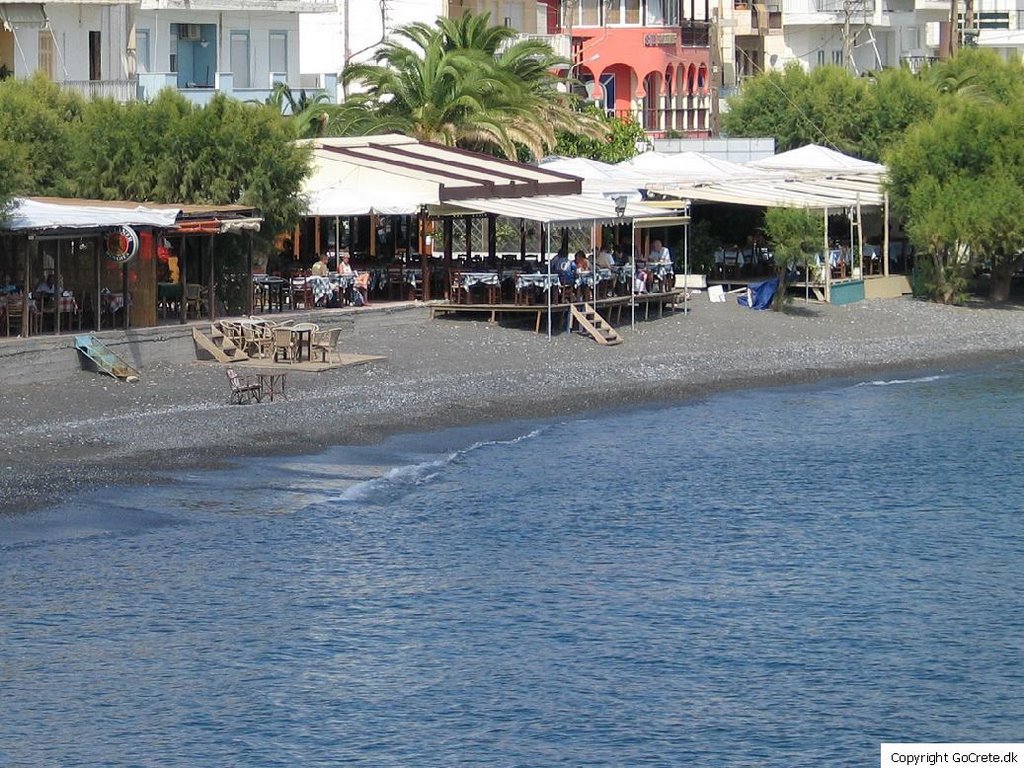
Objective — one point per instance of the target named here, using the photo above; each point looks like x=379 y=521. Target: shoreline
x=89 y=432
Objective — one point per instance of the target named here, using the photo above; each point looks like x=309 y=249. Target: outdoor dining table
x=529 y=283
x=303 y=335
x=272 y=384
x=490 y=280
x=270 y=288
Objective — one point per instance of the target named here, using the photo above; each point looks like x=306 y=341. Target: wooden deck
x=611 y=308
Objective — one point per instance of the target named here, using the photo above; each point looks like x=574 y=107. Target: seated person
x=7 y=285
x=659 y=254
x=47 y=286
x=319 y=268
x=582 y=263
x=604 y=259
x=361 y=285
x=344 y=265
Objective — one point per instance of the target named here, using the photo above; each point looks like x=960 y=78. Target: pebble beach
x=88 y=431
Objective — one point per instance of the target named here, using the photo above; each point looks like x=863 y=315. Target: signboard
x=652 y=40
x=122 y=245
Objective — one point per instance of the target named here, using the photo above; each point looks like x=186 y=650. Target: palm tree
x=462 y=82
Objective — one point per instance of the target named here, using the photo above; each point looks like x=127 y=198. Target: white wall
x=259 y=25
x=69 y=28
x=323 y=40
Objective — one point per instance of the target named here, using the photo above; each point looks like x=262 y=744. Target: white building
x=861 y=35
x=353 y=30
x=131 y=50
x=83 y=44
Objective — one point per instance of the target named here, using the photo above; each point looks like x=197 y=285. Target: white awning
x=34 y=214
x=22 y=15
x=565 y=210
x=818 y=160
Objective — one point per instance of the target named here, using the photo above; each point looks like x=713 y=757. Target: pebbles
x=88 y=431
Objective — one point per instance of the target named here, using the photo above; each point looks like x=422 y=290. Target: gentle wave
x=412 y=475
x=895 y=382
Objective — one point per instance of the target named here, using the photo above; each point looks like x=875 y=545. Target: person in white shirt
x=604 y=259
x=659 y=254
x=344 y=267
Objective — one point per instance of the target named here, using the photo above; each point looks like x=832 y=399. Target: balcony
x=151 y=84
x=118 y=90
x=242 y=6
x=842 y=7
x=560 y=44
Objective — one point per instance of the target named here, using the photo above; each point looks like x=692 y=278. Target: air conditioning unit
x=189 y=33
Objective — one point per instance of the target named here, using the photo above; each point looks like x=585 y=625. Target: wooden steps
x=595 y=325
x=216 y=346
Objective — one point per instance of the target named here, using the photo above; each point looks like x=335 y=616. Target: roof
x=56 y=213
x=568 y=210
x=423 y=172
x=685 y=166
x=50 y=213
x=599 y=178
x=814 y=158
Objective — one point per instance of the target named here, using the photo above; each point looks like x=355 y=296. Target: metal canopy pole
x=826 y=263
x=885 y=235
x=632 y=279
x=545 y=236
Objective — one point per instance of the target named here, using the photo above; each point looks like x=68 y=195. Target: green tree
x=39 y=118
x=622 y=142
x=462 y=82
x=957 y=181
x=830 y=106
x=172 y=151
x=796 y=235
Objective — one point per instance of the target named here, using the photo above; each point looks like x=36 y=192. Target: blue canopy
x=759 y=295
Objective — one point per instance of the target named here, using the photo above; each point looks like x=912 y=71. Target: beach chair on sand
x=244 y=390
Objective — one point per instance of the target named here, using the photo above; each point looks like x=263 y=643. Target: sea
x=767 y=577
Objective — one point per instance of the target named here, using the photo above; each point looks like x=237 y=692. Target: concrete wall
x=891 y=287
x=69 y=27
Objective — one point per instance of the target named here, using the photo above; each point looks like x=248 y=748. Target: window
x=240 y=59
x=46 y=53
x=173 y=62
x=142 y=64
x=631 y=11
x=837 y=58
x=821 y=58
x=608 y=81
x=95 y=60
x=655 y=16
x=588 y=13
x=279 y=53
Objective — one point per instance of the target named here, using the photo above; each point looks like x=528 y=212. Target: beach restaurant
x=434 y=222
x=69 y=264
x=810 y=177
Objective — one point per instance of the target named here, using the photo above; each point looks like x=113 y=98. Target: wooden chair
x=326 y=343
x=459 y=291
x=195 y=304
x=244 y=390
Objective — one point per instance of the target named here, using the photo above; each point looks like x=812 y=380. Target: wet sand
x=88 y=430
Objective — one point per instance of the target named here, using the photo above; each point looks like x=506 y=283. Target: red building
x=645 y=58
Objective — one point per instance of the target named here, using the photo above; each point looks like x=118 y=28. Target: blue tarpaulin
x=759 y=295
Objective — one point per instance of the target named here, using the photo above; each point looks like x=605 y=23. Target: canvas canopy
x=398 y=174
x=808 y=177
x=568 y=210
x=817 y=160
x=29 y=214
x=599 y=178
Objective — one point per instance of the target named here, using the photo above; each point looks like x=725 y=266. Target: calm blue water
x=772 y=577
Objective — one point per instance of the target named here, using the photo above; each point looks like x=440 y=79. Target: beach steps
x=217 y=346
x=591 y=322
